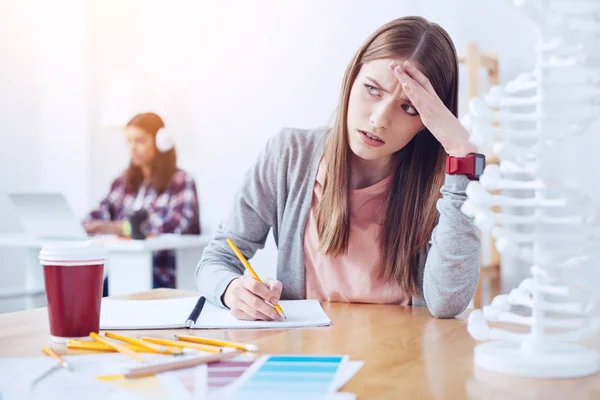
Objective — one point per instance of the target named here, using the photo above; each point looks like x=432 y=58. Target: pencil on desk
x=241 y=257
x=50 y=352
x=181 y=363
x=97 y=346
x=117 y=346
x=185 y=345
x=222 y=343
x=62 y=365
x=157 y=348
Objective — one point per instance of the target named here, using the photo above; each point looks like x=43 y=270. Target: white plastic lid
x=73 y=252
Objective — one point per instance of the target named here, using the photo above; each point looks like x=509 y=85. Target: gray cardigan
x=277 y=194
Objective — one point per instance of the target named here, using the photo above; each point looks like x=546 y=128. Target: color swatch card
x=289 y=377
x=212 y=379
x=225 y=373
x=215 y=381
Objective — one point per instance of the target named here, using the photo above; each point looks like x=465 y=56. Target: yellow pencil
x=239 y=255
x=222 y=343
x=97 y=346
x=117 y=346
x=50 y=352
x=62 y=365
x=188 y=345
x=151 y=346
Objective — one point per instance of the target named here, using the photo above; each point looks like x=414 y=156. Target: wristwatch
x=472 y=165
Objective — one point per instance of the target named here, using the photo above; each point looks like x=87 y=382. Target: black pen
x=195 y=312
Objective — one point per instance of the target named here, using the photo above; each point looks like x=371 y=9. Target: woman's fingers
x=247 y=299
x=253 y=313
x=239 y=314
x=413 y=90
x=261 y=307
x=276 y=288
x=257 y=288
x=92 y=226
x=257 y=308
x=417 y=75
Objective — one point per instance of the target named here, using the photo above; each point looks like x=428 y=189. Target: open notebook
x=174 y=313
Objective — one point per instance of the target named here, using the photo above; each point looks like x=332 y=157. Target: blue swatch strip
x=303 y=376
x=283 y=387
x=299 y=368
x=300 y=359
x=260 y=376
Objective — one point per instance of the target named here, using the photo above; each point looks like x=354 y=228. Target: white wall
x=43 y=110
x=225 y=75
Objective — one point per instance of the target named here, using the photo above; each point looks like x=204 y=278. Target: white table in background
x=129 y=263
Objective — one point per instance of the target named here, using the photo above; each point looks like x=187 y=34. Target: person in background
x=152 y=183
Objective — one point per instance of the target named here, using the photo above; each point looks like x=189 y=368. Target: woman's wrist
x=457 y=142
x=461 y=150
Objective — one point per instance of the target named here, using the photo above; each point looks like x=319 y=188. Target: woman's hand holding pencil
x=251 y=299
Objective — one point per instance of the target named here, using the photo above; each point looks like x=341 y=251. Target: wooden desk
x=407 y=353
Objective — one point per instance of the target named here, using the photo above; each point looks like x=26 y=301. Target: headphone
x=164 y=140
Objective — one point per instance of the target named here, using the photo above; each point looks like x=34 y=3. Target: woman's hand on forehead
x=434 y=114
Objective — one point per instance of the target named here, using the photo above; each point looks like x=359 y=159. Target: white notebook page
x=146 y=314
x=173 y=313
x=299 y=313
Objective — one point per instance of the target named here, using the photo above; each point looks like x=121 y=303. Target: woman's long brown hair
x=164 y=164
x=411 y=214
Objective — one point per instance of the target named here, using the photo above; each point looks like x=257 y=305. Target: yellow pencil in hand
x=241 y=257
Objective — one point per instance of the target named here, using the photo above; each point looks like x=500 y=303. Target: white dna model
x=539 y=218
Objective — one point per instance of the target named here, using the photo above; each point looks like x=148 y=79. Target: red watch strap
x=461 y=165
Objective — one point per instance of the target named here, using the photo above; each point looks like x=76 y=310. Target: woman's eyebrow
x=377 y=84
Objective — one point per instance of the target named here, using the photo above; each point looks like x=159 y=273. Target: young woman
x=153 y=183
x=355 y=209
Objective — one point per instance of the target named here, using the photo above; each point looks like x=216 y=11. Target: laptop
x=47 y=216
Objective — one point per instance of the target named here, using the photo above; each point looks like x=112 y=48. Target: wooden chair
x=490 y=258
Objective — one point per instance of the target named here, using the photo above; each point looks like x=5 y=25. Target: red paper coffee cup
x=73 y=276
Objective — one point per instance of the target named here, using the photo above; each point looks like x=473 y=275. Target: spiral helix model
x=536 y=216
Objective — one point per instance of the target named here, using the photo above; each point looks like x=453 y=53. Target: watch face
x=479 y=164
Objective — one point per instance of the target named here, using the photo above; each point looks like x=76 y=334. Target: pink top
x=352 y=276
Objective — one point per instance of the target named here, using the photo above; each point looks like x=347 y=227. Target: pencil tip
x=252 y=348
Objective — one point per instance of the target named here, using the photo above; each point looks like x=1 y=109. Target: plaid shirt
x=175 y=210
